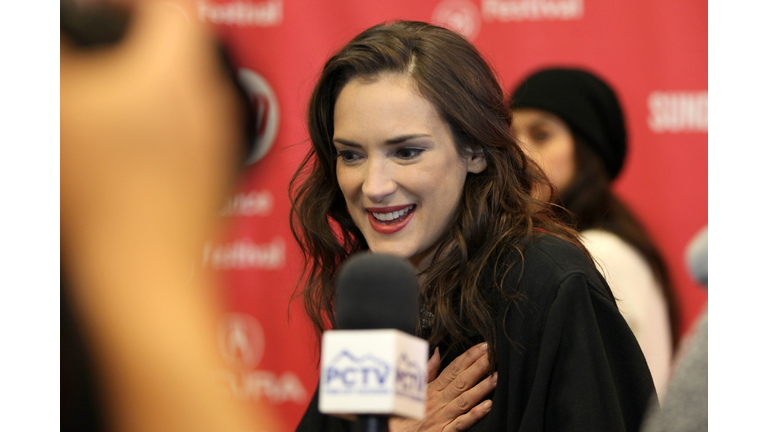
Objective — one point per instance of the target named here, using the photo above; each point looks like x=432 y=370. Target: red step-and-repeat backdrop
x=654 y=52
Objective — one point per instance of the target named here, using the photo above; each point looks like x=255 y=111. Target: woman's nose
x=379 y=182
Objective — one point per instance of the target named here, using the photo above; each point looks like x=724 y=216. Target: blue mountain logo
x=347 y=372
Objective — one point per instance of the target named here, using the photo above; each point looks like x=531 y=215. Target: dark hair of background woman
x=593 y=205
x=496 y=213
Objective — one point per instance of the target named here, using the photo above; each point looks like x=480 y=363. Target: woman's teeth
x=386 y=217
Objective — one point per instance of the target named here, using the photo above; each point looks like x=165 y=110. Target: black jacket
x=574 y=364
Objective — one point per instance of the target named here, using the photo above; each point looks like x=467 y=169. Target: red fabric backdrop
x=654 y=53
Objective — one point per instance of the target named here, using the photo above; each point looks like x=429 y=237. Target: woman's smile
x=389 y=220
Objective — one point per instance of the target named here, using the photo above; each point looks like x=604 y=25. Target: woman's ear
x=476 y=162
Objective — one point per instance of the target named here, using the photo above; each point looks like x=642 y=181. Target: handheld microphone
x=373 y=366
x=696 y=257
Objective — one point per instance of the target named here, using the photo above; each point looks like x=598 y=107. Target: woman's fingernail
x=484 y=347
x=495 y=378
x=487 y=405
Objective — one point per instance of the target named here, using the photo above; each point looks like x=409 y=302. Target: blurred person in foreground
x=571 y=123
x=150 y=128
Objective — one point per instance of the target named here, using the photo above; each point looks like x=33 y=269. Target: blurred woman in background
x=571 y=123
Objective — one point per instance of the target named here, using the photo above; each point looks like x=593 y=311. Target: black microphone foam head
x=377 y=291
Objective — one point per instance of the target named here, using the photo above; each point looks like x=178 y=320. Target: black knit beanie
x=586 y=103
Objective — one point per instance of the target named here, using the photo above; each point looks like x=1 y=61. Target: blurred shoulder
x=606 y=244
x=620 y=263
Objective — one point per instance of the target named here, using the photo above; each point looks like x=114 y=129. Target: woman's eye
x=408 y=153
x=348 y=156
x=540 y=136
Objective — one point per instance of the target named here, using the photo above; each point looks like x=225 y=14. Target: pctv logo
x=410 y=379
x=349 y=374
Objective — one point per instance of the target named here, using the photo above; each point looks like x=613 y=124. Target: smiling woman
x=398 y=167
x=412 y=156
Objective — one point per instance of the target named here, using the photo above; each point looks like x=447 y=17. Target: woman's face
x=548 y=141
x=397 y=166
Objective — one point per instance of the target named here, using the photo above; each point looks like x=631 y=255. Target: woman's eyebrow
x=391 y=141
x=346 y=142
x=537 y=123
x=404 y=138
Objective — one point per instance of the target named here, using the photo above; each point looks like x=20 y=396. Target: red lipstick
x=392 y=226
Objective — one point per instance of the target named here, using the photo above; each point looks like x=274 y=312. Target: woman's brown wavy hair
x=496 y=214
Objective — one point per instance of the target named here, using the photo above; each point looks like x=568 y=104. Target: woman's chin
x=389 y=251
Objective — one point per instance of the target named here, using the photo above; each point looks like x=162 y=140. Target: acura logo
x=241 y=340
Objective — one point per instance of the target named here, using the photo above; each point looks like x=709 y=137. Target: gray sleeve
x=684 y=407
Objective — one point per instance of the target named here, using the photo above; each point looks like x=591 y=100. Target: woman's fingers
x=470 y=399
x=454 y=396
x=459 y=365
x=433 y=366
x=467 y=379
x=464 y=422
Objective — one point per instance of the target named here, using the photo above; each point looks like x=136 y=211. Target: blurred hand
x=150 y=141
x=453 y=397
x=150 y=130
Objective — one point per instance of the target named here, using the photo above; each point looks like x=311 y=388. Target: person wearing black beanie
x=570 y=122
